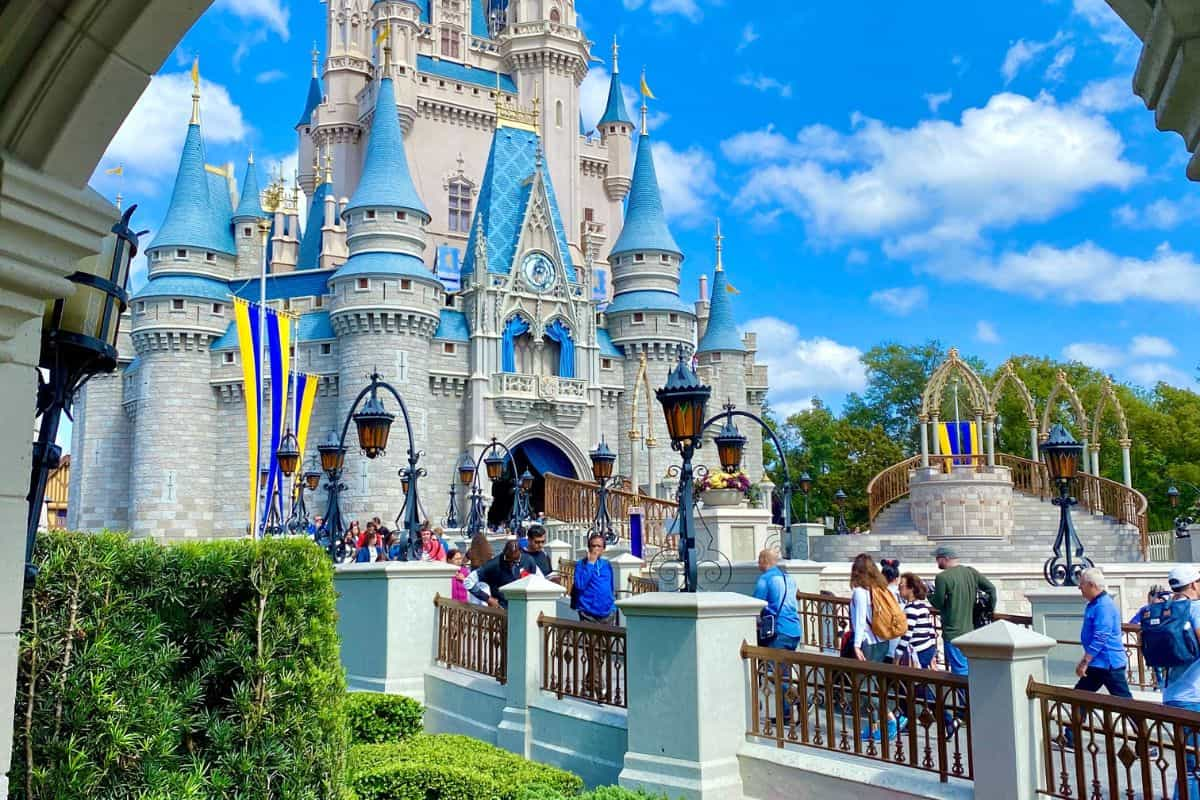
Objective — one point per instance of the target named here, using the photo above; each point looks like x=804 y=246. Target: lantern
x=494 y=464
x=333 y=455
x=805 y=483
x=683 y=400
x=1061 y=453
x=404 y=481
x=312 y=480
x=526 y=480
x=602 y=462
x=730 y=444
x=288 y=455
x=373 y=423
x=839 y=498
x=466 y=469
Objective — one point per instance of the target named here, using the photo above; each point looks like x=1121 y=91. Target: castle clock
x=539 y=272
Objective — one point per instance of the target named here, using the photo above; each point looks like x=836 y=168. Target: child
x=458 y=589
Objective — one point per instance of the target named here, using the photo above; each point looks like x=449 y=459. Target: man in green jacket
x=954 y=593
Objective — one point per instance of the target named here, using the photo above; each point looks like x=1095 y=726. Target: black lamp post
x=273 y=519
x=1062 y=453
x=602 y=472
x=839 y=500
x=298 y=522
x=1184 y=521
x=683 y=400
x=79 y=340
x=493 y=458
x=805 y=487
x=373 y=423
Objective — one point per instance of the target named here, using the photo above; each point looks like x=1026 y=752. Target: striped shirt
x=921 y=634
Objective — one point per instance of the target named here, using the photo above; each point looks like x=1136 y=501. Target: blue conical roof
x=191 y=220
x=721 y=333
x=251 y=202
x=311 y=102
x=386 y=181
x=310 y=245
x=615 y=111
x=222 y=203
x=645 y=221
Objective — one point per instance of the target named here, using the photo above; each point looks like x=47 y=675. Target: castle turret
x=403 y=22
x=246 y=219
x=306 y=146
x=616 y=131
x=310 y=245
x=336 y=124
x=386 y=303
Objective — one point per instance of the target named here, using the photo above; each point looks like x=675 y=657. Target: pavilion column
x=1033 y=441
x=1096 y=459
x=924 y=442
x=991 y=441
x=46 y=227
x=935 y=440
x=1126 y=470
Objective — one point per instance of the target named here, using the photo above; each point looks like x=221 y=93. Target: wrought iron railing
x=1097 y=746
x=890 y=485
x=640 y=584
x=824 y=619
x=566 y=572
x=1138 y=673
x=583 y=660
x=573 y=501
x=915 y=718
x=474 y=638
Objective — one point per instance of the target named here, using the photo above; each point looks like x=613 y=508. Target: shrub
x=199 y=671
x=381 y=718
x=454 y=765
x=603 y=793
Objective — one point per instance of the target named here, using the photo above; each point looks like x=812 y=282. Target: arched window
x=554 y=15
x=558 y=114
x=460 y=205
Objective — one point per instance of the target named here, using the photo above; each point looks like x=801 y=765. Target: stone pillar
x=527 y=599
x=924 y=442
x=1126 y=471
x=559 y=550
x=807 y=574
x=991 y=441
x=1096 y=459
x=624 y=565
x=685 y=744
x=1058 y=613
x=1033 y=441
x=935 y=441
x=1005 y=729
x=46 y=227
x=978 y=433
x=388 y=624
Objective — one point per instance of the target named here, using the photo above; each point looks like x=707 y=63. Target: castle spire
x=645 y=227
x=250 y=205
x=196 y=91
x=316 y=54
x=315 y=93
x=721 y=334
x=720 y=246
x=615 y=111
x=386 y=180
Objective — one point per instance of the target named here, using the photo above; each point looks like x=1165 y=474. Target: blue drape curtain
x=560 y=333
x=514 y=328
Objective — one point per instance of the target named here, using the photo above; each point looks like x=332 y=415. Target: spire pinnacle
x=316 y=54
x=645 y=102
x=616 y=54
x=196 y=91
x=720 y=246
x=250 y=160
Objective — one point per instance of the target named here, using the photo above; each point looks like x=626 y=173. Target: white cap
x=1183 y=575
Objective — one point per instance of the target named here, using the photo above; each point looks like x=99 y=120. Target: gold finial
x=511 y=115
x=316 y=54
x=720 y=246
x=616 y=53
x=329 y=166
x=196 y=91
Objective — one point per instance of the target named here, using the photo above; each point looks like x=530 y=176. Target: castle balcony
x=521 y=398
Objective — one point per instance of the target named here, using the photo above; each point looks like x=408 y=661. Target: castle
x=508 y=270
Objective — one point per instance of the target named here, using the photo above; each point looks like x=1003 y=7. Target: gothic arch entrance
x=539 y=456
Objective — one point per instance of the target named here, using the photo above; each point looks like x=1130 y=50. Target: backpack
x=887 y=618
x=1168 y=638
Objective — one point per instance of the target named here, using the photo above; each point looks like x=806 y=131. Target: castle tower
x=616 y=131
x=337 y=128
x=180 y=311
x=646 y=314
x=549 y=60
x=385 y=305
x=246 y=219
x=403 y=21
x=306 y=146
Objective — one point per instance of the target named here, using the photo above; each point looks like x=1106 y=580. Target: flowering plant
x=720 y=479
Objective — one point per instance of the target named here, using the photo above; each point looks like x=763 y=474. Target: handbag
x=767 y=619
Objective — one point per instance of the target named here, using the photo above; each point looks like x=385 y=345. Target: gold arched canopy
x=954 y=365
x=1108 y=397
x=1009 y=376
x=1062 y=386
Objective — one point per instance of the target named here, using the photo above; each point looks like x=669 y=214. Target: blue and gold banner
x=279 y=341
x=306 y=398
x=959 y=439
x=249 y=345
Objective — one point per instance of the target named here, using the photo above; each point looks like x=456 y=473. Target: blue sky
x=882 y=170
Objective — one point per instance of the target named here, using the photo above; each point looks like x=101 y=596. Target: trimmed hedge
x=195 y=671
x=446 y=767
x=382 y=718
x=603 y=793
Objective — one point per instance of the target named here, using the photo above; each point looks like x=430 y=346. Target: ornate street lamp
x=79 y=340
x=493 y=458
x=839 y=500
x=805 y=487
x=466 y=469
x=373 y=423
x=298 y=521
x=1184 y=521
x=288 y=454
x=602 y=472
x=1061 y=453
x=684 y=399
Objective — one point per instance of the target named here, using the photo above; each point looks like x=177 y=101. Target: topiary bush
x=382 y=718
x=205 y=670
x=458 y=767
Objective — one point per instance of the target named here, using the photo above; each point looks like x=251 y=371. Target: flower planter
x=721 y=498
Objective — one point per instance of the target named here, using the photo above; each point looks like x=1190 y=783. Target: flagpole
x=263 y=360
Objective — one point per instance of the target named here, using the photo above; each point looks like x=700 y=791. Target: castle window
x=287 y=304
x=449 y=300
x=714 y=357
x=450 y=43
x=218 y=308
x=181 y=253
x=589 y=215
x=318 y=302
x=606 y=363
x=364 y=284
x=326 y=349
x=226 y=358
x=401 y=216
x=460 y=205
x=639 y=257
x=141 y=306
x=247 y=232
x=448 y=348
x=664 y=258
x=369 y=215
x=673 y=319
x=638 y=318
x=405 y=284
x=177 y=305
x=555 y=16
x=558 y=114
x=210 y=257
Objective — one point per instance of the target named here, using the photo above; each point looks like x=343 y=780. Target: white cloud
x=765 y=83
x=1058 y=67
x=1108 y=25
x=1107 y=96
x=1145 y=346
x=593 y=97
x=857 y=256
x=901 y=301
x=749 y=37
x=986 y=332
x=272 y=13
x=687 y=179
x=1162 y=214
x=801 y=368
x=941 y=183
x=685 y=8
x=937 y=100
x=270 y=76
x=1022 y=52
x=1100 y=356
x=1154 y=372
x=151 y=138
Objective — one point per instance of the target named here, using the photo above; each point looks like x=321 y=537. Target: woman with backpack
x=875 y=619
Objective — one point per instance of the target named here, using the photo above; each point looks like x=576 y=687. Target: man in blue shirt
x=1104 y=660
x=779 y=591
x=593 y=587
x=1183 y=683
